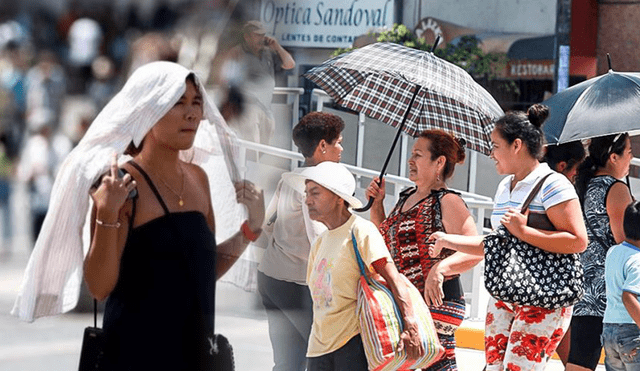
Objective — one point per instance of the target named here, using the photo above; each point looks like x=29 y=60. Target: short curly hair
x=314 y=127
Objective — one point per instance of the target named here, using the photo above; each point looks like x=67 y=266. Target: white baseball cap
x=331 y=175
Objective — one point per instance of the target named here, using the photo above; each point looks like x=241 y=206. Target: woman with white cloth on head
x=153 y=251
x=333 y=272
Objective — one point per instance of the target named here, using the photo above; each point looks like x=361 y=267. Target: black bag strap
x=133 y=215
x=95 y=313
x=151 y=185
x=533 y=193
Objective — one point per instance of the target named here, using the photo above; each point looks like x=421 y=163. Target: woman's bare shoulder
x=197 y=172
x=453 y=201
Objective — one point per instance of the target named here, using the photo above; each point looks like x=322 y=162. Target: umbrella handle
x=393 y=146
x=365 y=207
x=382 y=172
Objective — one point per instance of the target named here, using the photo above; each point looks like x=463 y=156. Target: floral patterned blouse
x=406 y=234
x=601 y=239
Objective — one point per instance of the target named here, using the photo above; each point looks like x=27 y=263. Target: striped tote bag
x=381 y=324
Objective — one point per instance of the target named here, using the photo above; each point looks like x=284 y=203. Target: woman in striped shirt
x=524 y=336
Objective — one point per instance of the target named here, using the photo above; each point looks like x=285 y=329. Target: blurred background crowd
x=59 y=67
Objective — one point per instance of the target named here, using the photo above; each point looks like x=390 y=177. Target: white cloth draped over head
x=53 y=276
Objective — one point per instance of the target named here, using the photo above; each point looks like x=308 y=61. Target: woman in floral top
x=421 y=210
x=604 y=198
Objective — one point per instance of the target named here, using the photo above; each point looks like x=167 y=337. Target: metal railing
x=294 y=94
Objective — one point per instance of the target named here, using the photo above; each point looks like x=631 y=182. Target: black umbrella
x=412 y=90
x=603 y=105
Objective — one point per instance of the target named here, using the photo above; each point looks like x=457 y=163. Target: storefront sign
x=530 y=69
x=429 y=29
x=324 y=23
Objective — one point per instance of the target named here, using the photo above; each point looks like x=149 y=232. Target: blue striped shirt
x=556 y=189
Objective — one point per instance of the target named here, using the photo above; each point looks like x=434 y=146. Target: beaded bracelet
x=107 y=225
x=248 y=233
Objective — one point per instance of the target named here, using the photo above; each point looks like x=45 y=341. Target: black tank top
x=162 y=307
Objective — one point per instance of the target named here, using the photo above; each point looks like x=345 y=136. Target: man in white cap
x=256 y=60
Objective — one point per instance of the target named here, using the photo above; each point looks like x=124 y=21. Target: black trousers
x=350 y=357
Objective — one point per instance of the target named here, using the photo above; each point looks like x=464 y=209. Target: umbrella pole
x=393 y=146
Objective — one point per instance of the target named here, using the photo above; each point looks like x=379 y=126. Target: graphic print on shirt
x=321 y=288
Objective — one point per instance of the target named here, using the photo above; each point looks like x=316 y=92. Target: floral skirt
x=522 y=337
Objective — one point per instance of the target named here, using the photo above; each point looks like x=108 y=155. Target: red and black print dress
x=406 y=234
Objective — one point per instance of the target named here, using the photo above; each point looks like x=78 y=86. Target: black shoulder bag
x=92 y=345
x=519 y=273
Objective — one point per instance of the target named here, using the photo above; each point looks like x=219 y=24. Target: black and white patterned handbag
x=519 y=273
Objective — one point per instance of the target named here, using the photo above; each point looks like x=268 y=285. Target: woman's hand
x=112 y=193
x=433 y=293
x=410 y=339
x=253 y=198
x=436 y=243
x=375 y=191
x=515 y=221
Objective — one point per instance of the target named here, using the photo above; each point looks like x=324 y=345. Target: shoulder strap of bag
x=133 y=215
x=533 y=193
x=95 y=313
x=370 y=282
x=363 y=271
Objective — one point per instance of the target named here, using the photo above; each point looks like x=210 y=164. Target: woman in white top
x=523 y=336
x=282 y=271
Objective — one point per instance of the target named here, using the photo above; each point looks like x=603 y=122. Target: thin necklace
x=180 y=201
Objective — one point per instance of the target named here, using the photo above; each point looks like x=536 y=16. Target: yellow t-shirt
x=332 y=276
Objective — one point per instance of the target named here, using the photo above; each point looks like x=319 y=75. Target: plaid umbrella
x=412 y=90
x=387 y=81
